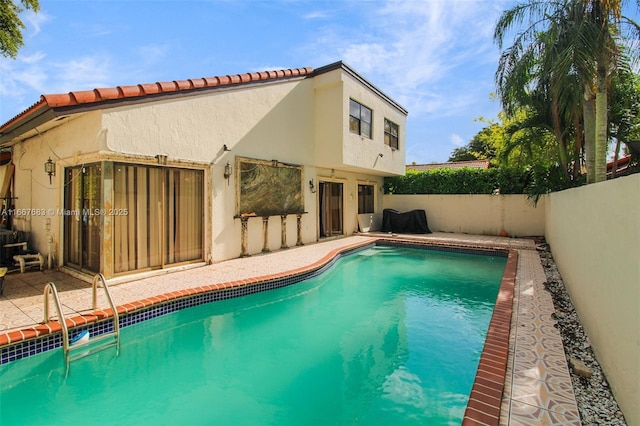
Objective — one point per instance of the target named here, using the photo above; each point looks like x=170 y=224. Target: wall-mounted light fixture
x=226 y=148
x=228 y=170
x=312 y=187
x=50 y=168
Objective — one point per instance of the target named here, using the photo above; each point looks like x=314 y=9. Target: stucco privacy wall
x=475 y=214
x=594 y=235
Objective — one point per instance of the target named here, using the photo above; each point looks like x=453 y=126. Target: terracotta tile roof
x=473 y=164
x=101 y=95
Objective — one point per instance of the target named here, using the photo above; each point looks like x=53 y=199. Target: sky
x=436 y=58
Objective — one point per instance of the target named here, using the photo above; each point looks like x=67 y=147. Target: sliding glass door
x=83 y=198
x=157 y=217
x=164 y=224
x=331 y=210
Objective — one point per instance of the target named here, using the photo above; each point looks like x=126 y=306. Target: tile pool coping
x=483 y=407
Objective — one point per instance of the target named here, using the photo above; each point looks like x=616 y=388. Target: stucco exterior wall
x=594 y=235
x=77 y=138
x=329 y=119
x=336 y=146
x=362 y=152
x=302 y=121
x=475 y=214
x=268 y=122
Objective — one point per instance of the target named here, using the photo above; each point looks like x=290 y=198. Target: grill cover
x=411 y=222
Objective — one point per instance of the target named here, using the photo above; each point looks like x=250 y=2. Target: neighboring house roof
x=474 y=164
x=622 y=167
x=56 y=106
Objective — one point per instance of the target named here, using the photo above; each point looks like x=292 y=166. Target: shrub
x=459 y=181
x=532 y=181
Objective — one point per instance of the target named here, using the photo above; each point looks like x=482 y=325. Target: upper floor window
x=390 y=134
x=359 y=119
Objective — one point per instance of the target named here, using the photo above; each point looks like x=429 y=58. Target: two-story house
x=139 y=178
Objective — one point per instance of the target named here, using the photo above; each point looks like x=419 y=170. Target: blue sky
x=435 y=57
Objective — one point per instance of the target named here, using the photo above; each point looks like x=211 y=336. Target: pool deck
x=537 y=385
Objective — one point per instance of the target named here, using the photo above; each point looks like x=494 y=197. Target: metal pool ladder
x=110 y=338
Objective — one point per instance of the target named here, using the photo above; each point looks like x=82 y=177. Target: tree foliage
x=559 y=68
x=510 y=142
x=11 y=26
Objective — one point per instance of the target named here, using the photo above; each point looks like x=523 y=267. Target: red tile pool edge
x=485 y=399
x=16 y=336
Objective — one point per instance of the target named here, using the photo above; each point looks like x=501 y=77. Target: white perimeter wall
x=594 y=233
x=475 y=214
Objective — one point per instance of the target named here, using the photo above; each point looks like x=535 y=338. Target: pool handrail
x=50 y=288
x=116 y=317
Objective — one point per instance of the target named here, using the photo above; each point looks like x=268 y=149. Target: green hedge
x=460 y=181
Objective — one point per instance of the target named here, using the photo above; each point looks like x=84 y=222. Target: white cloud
x=20 y=77
x=318 y=14
x=152 y=53
x=82 y=73
x=366 y=56
x=33 y=21
x=410 y=48
x=457 y=140
x=34 y=58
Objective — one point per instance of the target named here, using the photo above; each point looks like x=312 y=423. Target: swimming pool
x=386 y=336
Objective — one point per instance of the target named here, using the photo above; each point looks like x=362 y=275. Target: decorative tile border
x=486 y=395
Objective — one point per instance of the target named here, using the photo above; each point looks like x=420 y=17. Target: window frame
x=369 y=199
x=389 y=136
x=360 y=118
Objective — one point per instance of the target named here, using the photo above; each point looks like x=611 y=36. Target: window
x=365 y=199
x=359 y=119
x=390 y=134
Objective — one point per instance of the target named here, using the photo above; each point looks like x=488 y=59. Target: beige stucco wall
x=336 y=146
x=300 y=121
x=268 y=122
x=475 y=214
x=78 y=138
x=362 y=152
x=594 y=233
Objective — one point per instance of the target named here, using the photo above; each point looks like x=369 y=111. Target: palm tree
x=604 y=27
x=565 y=47
x=538 y=74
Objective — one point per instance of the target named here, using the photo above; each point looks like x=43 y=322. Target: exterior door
x=82 y=220
x=331 y=208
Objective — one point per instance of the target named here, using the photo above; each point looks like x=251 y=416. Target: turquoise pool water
x=385 y=336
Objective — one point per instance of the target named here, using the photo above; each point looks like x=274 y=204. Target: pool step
x=91 y=346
